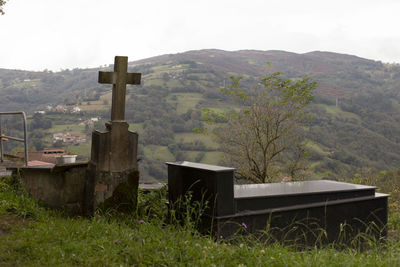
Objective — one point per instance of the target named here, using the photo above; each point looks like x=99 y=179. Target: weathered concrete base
x=124 y=196
x=117 y=190
x=115 y=148
x=59 y=187
x=78 y=189
x=112 y=174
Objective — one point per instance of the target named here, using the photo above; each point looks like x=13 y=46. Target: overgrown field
x=33 y=236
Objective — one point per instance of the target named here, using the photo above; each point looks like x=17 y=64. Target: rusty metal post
x=25 y=140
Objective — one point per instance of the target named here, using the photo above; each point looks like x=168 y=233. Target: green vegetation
x=193 y=137
x=33 y=236
x=361 y=132
x=103 y=103
x=212 y=157
x=82 y=150
x=184 y=102
x=73 y=128
x=355 y=142
x=136 y=127
x=159 y=153
x=266 y=133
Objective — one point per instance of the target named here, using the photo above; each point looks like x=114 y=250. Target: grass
x=160 y=153
x=83 y=150
x=219 y=106
x=336 y=111
x=174 y=83
x=33 y=236
x=72 y=128
x=103 y=103
x=191 y=155
x=184 y=101
x=316 y=148
x=191 y=137
x=213 y=157
x=136 y=127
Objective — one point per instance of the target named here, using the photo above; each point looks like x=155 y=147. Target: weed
x=187 y=213
x=152 y=205
x=112 y=239
x=15 y=200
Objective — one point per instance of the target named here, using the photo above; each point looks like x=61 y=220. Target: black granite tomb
x=307 y=212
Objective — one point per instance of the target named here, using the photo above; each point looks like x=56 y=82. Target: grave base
x=59 y=187
x=309 y=224
x=116 y=190
x=309 y=212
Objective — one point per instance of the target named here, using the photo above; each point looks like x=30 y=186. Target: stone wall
x=116 y=190
x=60 y=187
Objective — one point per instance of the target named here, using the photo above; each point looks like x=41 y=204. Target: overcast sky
x=61 y=34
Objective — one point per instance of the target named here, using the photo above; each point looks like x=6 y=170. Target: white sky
x=60 y=34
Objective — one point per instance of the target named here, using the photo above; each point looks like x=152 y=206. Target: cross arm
x=111 y=77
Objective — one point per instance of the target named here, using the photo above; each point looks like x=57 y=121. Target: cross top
x=119 y=79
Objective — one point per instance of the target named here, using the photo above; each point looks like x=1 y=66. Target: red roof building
x=47 y=155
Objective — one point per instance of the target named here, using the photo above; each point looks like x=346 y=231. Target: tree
x=58 y=144
x=263 y=140
x=40 y=122
x=2 y=3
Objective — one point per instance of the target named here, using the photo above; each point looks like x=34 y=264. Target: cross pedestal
x=113 y=175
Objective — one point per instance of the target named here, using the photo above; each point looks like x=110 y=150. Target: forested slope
x=355 y=114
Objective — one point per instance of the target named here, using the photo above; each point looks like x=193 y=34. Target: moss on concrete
x=124 y=197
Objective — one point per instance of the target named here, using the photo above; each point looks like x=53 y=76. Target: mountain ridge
x=356 y=112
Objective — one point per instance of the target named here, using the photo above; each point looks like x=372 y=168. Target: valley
x=353 y=126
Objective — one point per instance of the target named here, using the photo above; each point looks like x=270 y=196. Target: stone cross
x=119 y=79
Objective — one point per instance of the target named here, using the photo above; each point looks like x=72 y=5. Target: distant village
x=67 y=137
x=60 y=108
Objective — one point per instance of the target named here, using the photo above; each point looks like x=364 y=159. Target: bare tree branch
x=264 y=134
x=2 y=3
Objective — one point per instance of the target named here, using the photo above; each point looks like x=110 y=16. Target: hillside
x=354 y=127
x=31 y=235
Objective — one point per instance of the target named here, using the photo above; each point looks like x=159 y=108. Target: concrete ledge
x=59 y=187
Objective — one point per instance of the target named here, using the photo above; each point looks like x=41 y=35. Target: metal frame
x=25 y=140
